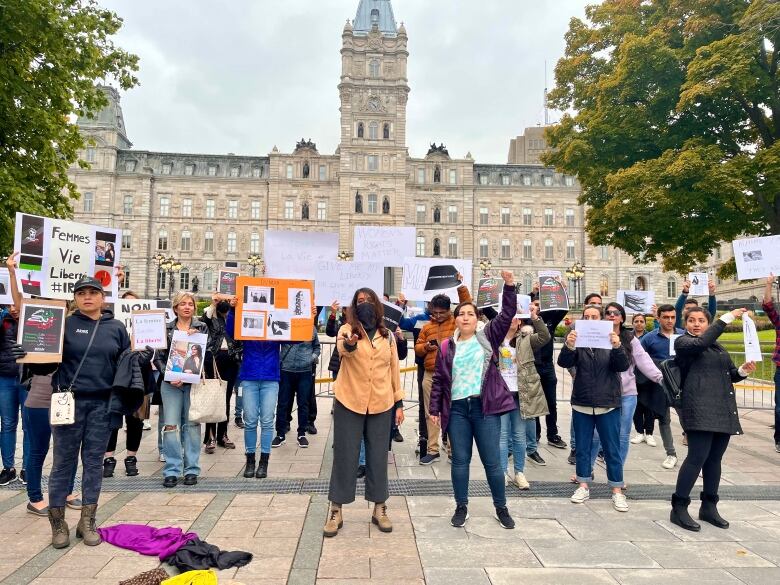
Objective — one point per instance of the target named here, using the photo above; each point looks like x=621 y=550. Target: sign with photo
x=55 y=253
x=186 y=357
x=699 y=284
x=226 y=284
x=148 y=329
x=274 y=309
x=488 y=291
x=42 y=330
x=636 y=302
x=757 y=257
x=6 y=298
x=552 y=294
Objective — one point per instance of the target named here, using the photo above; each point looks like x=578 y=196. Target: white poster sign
x=123 y=309
x=699 y=284
x=636 y=302
x=421 y=274
x=523 y=307
x=297 y=254
x=672 y=338
x=148 y=329
x=752 y=343
x=338 y=281
x=186 y=357
x=387 y=246
x=6 y=298
x=593 y=334
x=757 y=257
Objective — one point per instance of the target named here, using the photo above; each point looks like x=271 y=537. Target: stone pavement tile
x=259 y=547
x=614 y=527
x=772 y=506
x=184 y=525
x=76 y=580
x=304 y=469
x=754 y=576
x=198 y=499
x=744 y=510
x=370 y=582
x=674 y=576
x=737 y=531
x=526 y=528
x=395 y=568
x=768 y=550
x=437 y=527
x=550 y=576
x=234 y=528
x=120 y=568
x=81 y=566
x=279 y=529
x=435 y=576
x=475 y=552
x=263 y=513
x=344 y=566
x=769 y=526
x=704 y=555
x=270 y=568
x=590 y=554
x=138 y=512
x=400 y=528
x=251 y=500
x=154 y=498
x=430 y=506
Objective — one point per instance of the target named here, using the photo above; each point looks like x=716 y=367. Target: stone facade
x=206 y=210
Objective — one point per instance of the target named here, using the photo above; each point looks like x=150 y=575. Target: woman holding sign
x=708 y=414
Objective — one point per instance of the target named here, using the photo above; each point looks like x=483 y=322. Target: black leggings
x=705 y=452
x=135 y=429
x=644 y=419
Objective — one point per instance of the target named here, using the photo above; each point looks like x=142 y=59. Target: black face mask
x=366 y=315
x=223 y=307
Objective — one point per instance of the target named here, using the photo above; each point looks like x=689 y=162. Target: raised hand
x=614 y=339
x=11 y=263
x=334 y=307
x=686 y=286
x=738 y=313
x=350 y=339
x=509 y=278
x=571 y=339
x=711 y=286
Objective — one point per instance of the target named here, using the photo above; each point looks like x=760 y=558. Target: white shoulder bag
x=207 y=399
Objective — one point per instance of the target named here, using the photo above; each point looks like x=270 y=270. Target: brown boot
x=380 y=517
x=334 y=521
x=60 y=533
x=87 y=529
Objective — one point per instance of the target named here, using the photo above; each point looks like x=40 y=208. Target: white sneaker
x=521 y=482
x=507 y=479
x=650 y=440
x=669 y=462
x=162 y=458
x=619 y=502
x=580 y=496
x=636 y=439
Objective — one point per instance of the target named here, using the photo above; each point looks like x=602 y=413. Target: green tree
x=52 y=53
x=672 y=124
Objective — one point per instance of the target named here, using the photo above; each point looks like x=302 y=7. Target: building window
x=161 y=280
x=547 y=180
x=372 y=203
x=90 y=155
x=165 y=206
x=548 y=249
x=360 y=130
x=568 y=181
x=603 y=252
x=437 y=174
x=505 y=180
x=569 y=217
x=570 y=254
x=373 y=131
x=421 y=245
x=208 y=279
x=186 y=240
x=436 y=247
x=452 y=247
x=289 y=210
x=323 y=173
x=212 y=170
x=373 y=67
x=322 y=210
x=233 y=209
x=421 y=175
x=289 y=171
x=528 y=216
x=420 y=213
x=235 y=172
x=167 y=168
x=527 y=180
x=386 y=131
x=189 y=170
x=453 y=176
x=671 y=288
x=527 y=250
x=483 y=216
x=129 y=166
x=210 y=206
x=257 y=172
x=186 y=207
x=373 y=162
x=483 y=179
x=208 y=241
x=162 y=240
x=255 y=210
x=506 y=249
x=127 y=205
x=254 y=243
x=549 y=216
x=437 y=215
x=483 y=248
x=528 y=282
x=452 y=214
x=127 y=281
x=127 y=240
x=89 y=201
x=231 y=242
x=184 y=279
x=505 y=216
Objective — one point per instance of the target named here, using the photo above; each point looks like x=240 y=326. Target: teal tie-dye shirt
x=467 y=369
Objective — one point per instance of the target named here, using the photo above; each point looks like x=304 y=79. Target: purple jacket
x=147 y=540
x=496 y=397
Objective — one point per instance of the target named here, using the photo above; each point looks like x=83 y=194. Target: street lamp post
x=575 y=274
x=254 y=261
x=344 y=255
x=485 y=265
x=170 y=266
x=158 y=260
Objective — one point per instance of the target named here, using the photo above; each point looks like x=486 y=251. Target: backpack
x=673 y=381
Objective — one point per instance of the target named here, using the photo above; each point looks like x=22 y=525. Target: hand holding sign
x=509 y=277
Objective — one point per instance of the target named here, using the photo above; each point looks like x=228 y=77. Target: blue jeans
x=627 y=410
x=259 y=398
x=608 y=426
x=514 y=428
x=531 y=444
x=777 y=404
x=468 y=425
x=362 y=456
x=37 y=428
x=573 y=442
x=12 y=396
x=181 y=438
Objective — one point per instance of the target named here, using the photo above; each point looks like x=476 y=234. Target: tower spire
x=375 y=13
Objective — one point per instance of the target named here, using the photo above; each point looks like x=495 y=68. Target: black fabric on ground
x=200 y=555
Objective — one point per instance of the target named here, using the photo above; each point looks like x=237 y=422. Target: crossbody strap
x=84 y=357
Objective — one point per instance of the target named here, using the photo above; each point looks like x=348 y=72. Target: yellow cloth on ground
x=193 y=578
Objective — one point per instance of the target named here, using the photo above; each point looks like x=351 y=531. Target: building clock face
x=374 y=105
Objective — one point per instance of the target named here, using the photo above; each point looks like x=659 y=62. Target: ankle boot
x=87 y=528
x=131 y=466
x=60 y=533
x=380 y=518
x=709 y=510
x=334 y=521
x=249 y=470
x=109 y=463
x=262 y=467
x=680 y=515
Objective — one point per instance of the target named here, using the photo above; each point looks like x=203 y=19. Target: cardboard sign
x=593 y=334
x=226 y=283
x=418 y=279
x=386 y=245
x=488 y=290
x=552 y=294
x=56 y=253
x=124 y=308
x=41 y=330
x=699 y=284
x=6 y=298
x=392 y=316
x=186 y=357
x=636 y=302
x=338 y=281
x=297 y=254
x=757 y=257
x=274 y=309
x=148 y=329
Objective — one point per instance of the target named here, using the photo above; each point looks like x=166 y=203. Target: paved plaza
x=279 y=520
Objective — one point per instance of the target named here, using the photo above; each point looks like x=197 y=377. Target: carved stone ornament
x=375 y=39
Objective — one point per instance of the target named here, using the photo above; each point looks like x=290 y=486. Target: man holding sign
x=771 y=311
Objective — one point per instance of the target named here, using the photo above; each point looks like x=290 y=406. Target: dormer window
x=256 y=172
x=375 y=16
x=167 y=168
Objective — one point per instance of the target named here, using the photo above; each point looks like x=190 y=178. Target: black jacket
x=543 y=357
x=597 y=381
x=331 y=330
x=708 y=401
x=131 y=382
x=8 y=327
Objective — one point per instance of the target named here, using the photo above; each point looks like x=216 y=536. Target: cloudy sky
x=244 y=75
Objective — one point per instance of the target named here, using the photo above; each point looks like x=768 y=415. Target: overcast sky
x=244 y=75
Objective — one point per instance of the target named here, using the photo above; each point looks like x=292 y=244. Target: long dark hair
x=626 y=334
x=379 y=312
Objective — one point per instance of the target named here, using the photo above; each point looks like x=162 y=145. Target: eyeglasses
x=612 y=313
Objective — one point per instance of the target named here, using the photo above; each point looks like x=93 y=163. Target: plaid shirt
x=771 y=312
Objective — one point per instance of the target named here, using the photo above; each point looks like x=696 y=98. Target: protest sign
x=385 y=245
x=274 y=309
x=636 y=302
x=672 y=338
x=147 y=328
x=593 y=334
x=186 y=357
x=757 y=257
x=41 y=330
x=297 y=254
x=752 y=343
x=552 y=294
x=392 y=316
x=523 y=307
x=6 y=298
x=550 y=273
x=699 y=284
x=226 y=283
x=421 y=275
x=123 y=309
x=338 y=281
x=487 y=292
x=55 y=253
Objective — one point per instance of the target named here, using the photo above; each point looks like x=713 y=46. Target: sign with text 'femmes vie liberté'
x=55 y=254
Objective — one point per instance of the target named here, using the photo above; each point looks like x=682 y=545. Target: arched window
x=640 y=283
x=358 y=203
x=305 y=170
x=373 y=131
x=436 y=247
x=437 y=215
x=373 y=68
x=437 y=174
x=361 y=129
x=386 y=131
x=385 y=205
x=184 y=279
x=305 y=210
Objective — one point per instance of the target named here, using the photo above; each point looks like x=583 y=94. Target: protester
x=595 y=403
x=410 y=323
x=684 y=302
x=639 y=322
x=469 y=395
x=368 y=394
x=708 y=414
x=774 y=317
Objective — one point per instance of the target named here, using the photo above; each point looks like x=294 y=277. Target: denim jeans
x=294 y=386
x=531 y=444
x=573 y=442
x=259 y=407
x=467 y=425
x=514 y=430
x=627 y=409
x=362 y=456
x=37 y=428
x=181 y=444
x=777 y=404
x=12 y=396
x=608 y=426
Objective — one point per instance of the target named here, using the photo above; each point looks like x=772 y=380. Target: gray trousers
x=348 y=429
x=665 y=428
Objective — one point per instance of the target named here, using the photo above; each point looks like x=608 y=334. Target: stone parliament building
x=209 y=209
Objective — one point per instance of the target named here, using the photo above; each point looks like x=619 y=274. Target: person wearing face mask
x=368 y=394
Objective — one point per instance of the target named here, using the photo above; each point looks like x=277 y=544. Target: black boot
x=262 y=467
x=249 y=470
x=680 y=515
x=131 y=466
x=709 y=511
x=109 y=463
